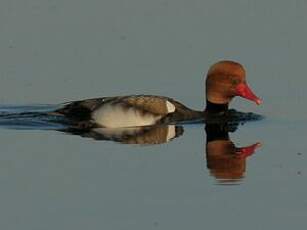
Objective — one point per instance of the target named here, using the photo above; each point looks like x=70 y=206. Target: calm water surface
x=58 y=51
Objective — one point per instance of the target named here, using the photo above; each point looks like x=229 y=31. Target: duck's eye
x=235 y=81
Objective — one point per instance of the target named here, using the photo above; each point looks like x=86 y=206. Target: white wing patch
x=170 y=107
x=115 y=116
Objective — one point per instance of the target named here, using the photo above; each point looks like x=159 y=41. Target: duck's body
x=225 y=80
x=128 y=111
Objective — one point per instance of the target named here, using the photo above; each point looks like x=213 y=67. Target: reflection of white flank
x=171 y=132
x=113 y=116
x=117 y=132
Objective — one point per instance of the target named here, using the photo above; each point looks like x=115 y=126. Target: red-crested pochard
x=225 y=80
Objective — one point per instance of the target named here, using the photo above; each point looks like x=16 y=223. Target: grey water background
x=55 y=51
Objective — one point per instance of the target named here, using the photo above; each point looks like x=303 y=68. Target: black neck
x=216 y=132
x=216 y=108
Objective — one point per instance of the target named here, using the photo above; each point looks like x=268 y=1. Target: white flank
x=171 y=132
x=114 y=116
x=170 y=107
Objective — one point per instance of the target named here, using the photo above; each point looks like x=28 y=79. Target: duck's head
x=225 y=80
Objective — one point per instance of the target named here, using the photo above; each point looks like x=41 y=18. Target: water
x=58 y=51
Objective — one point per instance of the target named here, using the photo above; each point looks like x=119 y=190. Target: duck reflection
x=225 y=161
x=147 y=135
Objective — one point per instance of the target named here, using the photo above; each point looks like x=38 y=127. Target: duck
x=225 y=80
